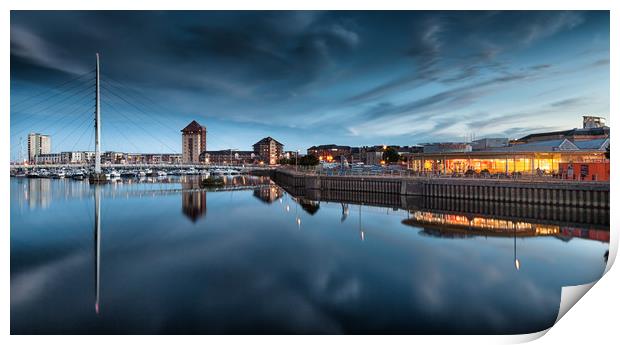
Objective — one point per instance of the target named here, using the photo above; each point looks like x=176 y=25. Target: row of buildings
x=577 y=153
x=194 y=151
x=194 y=144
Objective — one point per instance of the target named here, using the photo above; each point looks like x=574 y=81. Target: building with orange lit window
x=541 y=153
x=331 y=152
x=269 y=150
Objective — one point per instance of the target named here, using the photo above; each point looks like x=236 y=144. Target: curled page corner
x=613 y=251
x=526 y=338
x=570 y=296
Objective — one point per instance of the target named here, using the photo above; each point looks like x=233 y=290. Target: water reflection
x=455 y=225
x=310 y=206
x=193 y=199
x=345 y=212
x=268 y=193
x=425 y=270
x=97 y=237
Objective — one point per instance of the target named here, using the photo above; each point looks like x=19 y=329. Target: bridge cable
x=138 y=126
x=76 y=128
x=56 y=122
x=78 y=87
x=52 y=88
x=149 y=101
x=48 y=107
x=148 y=117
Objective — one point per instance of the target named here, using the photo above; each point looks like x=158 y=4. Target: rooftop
x=268 y=139
x=329 y=147
x=193 y=127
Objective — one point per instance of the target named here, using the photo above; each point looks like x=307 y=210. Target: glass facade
x=545 y=162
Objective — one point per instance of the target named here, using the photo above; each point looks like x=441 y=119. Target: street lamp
x=296 y=158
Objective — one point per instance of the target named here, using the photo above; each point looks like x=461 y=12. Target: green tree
x=309 y=160
x=390 y=155
x=284 y=161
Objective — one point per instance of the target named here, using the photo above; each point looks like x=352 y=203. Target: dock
x=557 y=193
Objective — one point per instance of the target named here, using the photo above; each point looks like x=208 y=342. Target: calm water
x=255 y=260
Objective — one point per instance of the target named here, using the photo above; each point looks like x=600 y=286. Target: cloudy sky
x=305 y=78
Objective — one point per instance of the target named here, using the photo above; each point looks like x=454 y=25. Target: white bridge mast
x=97 y=123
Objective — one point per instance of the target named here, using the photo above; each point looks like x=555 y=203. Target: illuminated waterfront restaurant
x=575 y=153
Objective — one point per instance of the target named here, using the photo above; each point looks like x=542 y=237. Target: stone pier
x=560 y=193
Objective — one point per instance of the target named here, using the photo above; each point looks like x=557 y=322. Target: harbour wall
x=559 y=193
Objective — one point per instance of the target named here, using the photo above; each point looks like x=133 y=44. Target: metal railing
x=404 y=173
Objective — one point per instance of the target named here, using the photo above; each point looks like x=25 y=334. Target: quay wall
x=561 y=193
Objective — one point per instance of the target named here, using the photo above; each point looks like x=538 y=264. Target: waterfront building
x=446 y=147
x=89 y=157
x=373 y=155
x=269 y=150
x=194 y=142
x=528 y=155
x=38 y=144
x=488 y=143
x=111 y=157
x=291 y=154
x=357 y=155
x=152 y=158
x=330 y=152
x=593 y=127
x=72 y=157
x=48 y=158
x=228 y=157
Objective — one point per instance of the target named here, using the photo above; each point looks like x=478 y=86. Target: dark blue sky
x=306 y=78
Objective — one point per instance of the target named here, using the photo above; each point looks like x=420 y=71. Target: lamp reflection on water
x=362 y=234
x=297 y=218
x=517 y=262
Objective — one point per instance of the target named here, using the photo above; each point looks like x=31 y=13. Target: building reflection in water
x=448 y=225
x=268 y=194
x=345 y=212
x=310 y=206
x=193 y=199
x=37 y=193
x=458 y=225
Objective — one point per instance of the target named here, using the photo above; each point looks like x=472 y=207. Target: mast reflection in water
x=422 y=267
x=97 y=237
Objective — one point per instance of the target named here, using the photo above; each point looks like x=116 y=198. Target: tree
x=309 y=160
x=390 y=155
x=284 y=161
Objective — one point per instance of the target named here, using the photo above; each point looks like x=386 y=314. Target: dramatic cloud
x=362 y=77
